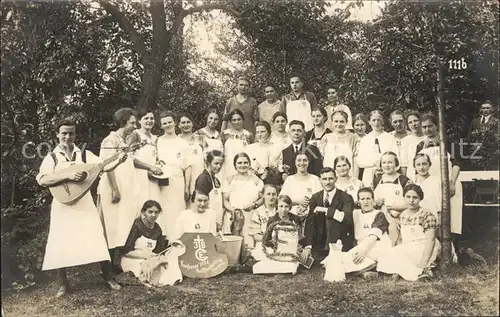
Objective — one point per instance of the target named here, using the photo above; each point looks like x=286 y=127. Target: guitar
x=69 y=192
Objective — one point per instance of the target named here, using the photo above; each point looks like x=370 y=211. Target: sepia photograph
x=250 y=157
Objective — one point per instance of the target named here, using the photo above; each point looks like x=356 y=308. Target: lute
x=69 y=192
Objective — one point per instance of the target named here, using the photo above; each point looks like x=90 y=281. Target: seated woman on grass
x=370 y=232
x=144 y=242
x=414 y=258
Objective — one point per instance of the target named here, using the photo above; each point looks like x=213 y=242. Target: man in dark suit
x=482 y=139
x=485 y=124
x=329 y=218
x=297 y=133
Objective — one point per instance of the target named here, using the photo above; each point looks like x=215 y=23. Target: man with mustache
x=329 y=218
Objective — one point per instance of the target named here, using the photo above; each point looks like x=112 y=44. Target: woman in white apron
x=409 y=144
x=414 y=258
x=388 y=189
x=340 y=142
x=430 y=146
x=145 y=158
x=279 y=136
x=301 y=186
x=346 y=182
x=314 y=135
x=173 y=154
x=242 y=193
x=430 y=185
x=76 y=235
x=265 y=155
x=144 y=239
x=235 y=140
x=117 y=198
x=372 y=146
x=208 y=182
x=195 y=142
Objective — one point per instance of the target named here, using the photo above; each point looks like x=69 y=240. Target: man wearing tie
x=297 y=133
x=329 y=218
x=483 y=139
x=485 y=123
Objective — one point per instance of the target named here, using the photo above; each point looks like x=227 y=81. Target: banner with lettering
x=201 y=259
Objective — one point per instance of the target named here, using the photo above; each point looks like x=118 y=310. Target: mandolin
x=69 y=192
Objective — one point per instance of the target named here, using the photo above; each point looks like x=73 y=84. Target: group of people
x=290 y=160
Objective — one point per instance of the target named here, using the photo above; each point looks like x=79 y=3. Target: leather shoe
x=63 y=290
x=113 y=285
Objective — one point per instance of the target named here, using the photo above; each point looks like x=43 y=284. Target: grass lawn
x=469 y=290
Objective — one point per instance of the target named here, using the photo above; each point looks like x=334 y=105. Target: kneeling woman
x=280 y=242
x=419 y=248
x=144 y=243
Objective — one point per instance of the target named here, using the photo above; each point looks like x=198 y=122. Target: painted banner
x=201 y=259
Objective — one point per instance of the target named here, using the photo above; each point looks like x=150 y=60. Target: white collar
x=330 y=194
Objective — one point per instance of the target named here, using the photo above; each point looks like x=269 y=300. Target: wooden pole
x=445 y=174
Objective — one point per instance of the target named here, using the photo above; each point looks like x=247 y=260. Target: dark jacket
x=322 y=229
x=312 y=152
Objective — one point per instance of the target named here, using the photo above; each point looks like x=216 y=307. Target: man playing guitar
x=76 y=235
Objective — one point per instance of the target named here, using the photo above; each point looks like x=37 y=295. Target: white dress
x=174 y=152
x=404 y=258
x=196 y=158
x=263 y=155
x=243 y=192
x=146 y=188
x=76 y=235
x=408 y=149
x=297 y=189
x=371 y=150
x=236 y=142
x=281 y=142
x=432 y=195
x=331 y=146
x=456 y=202
x=118 y=217
x=351 y=187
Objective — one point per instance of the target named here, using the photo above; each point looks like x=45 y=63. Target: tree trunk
x=151 y=82
x=445 y=176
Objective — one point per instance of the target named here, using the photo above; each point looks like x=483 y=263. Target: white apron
x=300 y=110
x=173 y=153
x=76 y=235
x=146 y=188
x=404 y=258
x=243 y=193
x=456 y=202
x=235 y=144
x=392 y=195
x=216 y=204
x=197 y=162
x=133 y=265
x=118 y=218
